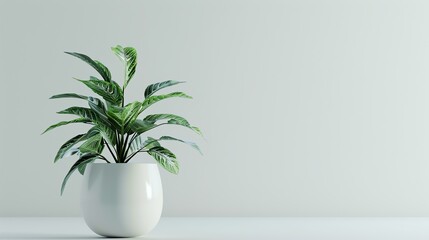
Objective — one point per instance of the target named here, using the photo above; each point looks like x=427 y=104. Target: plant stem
x=123 y=85
x=121 y=147
x=129 y=145
x=103 y=158
x=126 y=145
x=110 y=150
x=117 y=144
x=140 y=150
x=123 y=96
x=128 y=158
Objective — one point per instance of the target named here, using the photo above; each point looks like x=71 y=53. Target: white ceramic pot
x=121 y=200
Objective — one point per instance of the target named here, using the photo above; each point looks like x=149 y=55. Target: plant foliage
x=116 y=127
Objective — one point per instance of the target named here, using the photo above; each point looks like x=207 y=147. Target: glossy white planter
x=121 y=200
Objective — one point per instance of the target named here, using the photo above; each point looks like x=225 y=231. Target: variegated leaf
x=62 y=123
x=84 y=159
x=154 y=99
x=98 y=66
x=109 y=91
x=166 y=158
x=153 y=88
x=129 y=56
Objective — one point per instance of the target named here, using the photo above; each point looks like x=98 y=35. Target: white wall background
x=309 y=108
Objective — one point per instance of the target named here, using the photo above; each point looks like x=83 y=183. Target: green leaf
x=171 y=119
x=166 y=158
x=98 y=66
x=109 y=91
x=93 y=144
x=141 y=126
x=164 y=116
x=138 y=144
x=69 y=95
x=82 y=167
x=150 y=143
x=131 y=110
x=84 y=159
x=66 y=147
x=197 y=130
x=175 y=122
x=98 y=107
x=128 y=55
x=85 y=113
x=107 y=133
x=154 y=99
x=153 y=88
x=192 y=144
x=78 y=120
x=106 y=71
x=124 y=116
x=92 y=132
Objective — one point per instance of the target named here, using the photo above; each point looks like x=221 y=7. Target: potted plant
x=119 y=198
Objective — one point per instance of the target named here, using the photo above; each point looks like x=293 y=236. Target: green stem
x=129 y=145
x=123 y=96
x=110 y=150
x=121 y=153
x=123 y=85
x=103 y=158
x=140 y=150
x=126 y=145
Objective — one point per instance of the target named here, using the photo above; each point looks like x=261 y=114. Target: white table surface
x=231 y=228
